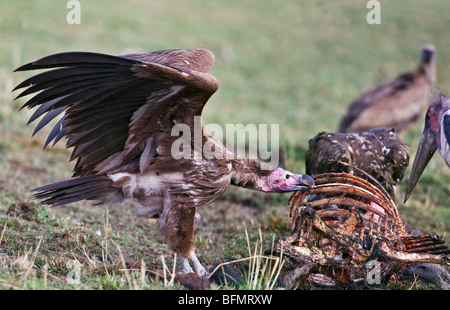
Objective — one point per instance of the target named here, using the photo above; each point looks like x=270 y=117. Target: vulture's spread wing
x=116 y=108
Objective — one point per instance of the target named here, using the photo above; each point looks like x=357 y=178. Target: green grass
x=293 y=63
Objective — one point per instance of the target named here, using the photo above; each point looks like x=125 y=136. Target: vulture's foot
x=199 y=269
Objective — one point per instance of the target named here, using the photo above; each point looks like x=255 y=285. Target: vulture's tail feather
x=90 y=187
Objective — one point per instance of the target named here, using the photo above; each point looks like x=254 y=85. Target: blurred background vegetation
x=298 y=64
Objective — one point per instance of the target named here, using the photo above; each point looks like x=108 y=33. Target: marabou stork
x=436 y=135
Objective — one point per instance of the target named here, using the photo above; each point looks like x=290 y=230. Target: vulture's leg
x=185 y=265
x=199 y=269
x=176 y=226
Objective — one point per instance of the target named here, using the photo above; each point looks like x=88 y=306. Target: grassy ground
x=294 y=63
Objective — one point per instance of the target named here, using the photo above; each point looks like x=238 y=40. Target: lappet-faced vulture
x=436 y=136
x=395 y=104
x=119 y=115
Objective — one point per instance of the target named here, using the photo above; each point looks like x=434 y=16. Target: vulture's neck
x=245 y=172
x=428 y=70
x=249 y=173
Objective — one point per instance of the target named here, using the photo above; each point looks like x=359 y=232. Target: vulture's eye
x=287 y=176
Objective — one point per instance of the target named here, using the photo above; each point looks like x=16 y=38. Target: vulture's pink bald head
x=281 y=180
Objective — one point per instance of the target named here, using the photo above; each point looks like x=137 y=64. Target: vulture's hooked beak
x=301 y=182
x=427 y=148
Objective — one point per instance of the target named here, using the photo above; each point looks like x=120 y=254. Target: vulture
x=127 y=120
x=395 y=104
x=375 y=154
x=436 y=136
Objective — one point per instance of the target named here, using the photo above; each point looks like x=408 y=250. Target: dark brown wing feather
x=116 y=106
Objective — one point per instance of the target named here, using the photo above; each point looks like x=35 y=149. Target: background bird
x=119 y=115
x=379 y=152
x=436 y=135
x=396 y=103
